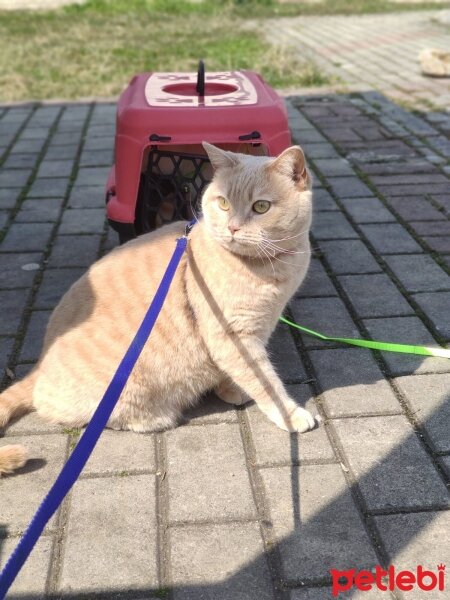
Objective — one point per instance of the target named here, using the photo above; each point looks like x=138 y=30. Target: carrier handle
x=200 y=88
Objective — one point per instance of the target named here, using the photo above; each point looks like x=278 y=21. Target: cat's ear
x=291 y=163
x=220 y=158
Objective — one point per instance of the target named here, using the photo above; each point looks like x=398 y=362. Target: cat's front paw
x=299 y=420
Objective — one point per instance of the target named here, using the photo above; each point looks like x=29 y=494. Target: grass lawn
x=94 y=49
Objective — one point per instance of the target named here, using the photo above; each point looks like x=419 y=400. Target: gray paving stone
x=316 y=282
x=408 y=179
x=349 y=256
x=31 y=423
x=61 y=152
x=210 y=410
x=390 y=238
x=101 y=129
x=28 y=146
x=55 y=284
x=48 y=188
x=21 y=494
x=327 y=316
x=439 y=244
x=416 y=539
x=332 y=226
x=20 y=161
x=274 y=446
x=327 y=594
x=111 y=535
x=374 y=295
x=92 y=176
x=352 y=383
x=317 y=150
x=431 y=228
x=437 y=308
x=430 y=400
x=334 y=167
x=3 y=218
x=406 y=330
x=6 y=347
x=323 y=201
x=14 y=178
x=121 y=452
x=218 y=488
x=445 y=462
x=15 y=271
x=99 y=143
x=419 y=273
x=385 y=456
x=39 y=211
x=55 y=168
x=219 y=562
x=74 y=251
x=13 y=304
x=350 y=187
x=87 y=197
x=367 y=210
x=8 y=197
x=81 y=220
x=303 y=501
x=27 y=237
x=34 y=133
x=34 y=337
x=413 y=190
x=284 y=355
x=66 y=139
x=32 y=578
x=413 y=208
x=96 y=158
x=311 y=136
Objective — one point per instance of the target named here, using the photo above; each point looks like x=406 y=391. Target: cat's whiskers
x=289 y=237
x=268 y=257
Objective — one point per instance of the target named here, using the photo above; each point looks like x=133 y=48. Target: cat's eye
x=223 y=203
x=261 y=206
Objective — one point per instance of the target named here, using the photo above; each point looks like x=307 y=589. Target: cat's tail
x=14 y=402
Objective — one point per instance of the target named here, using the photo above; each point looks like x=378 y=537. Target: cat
x=246 y=256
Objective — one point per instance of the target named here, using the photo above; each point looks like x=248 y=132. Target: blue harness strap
x=73 y=467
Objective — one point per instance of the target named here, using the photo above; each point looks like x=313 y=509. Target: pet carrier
x=160 y=166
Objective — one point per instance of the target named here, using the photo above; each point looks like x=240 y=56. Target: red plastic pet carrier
x=160 y=166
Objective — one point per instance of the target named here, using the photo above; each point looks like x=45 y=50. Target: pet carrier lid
x=225 y=88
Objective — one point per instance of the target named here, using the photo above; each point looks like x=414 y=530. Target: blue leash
x=73 y=467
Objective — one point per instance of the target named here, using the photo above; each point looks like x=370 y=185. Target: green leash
x=375 y=345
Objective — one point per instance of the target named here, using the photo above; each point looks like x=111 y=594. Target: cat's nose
x=233 y=228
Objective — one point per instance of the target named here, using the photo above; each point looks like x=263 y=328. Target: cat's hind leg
x=229 y=392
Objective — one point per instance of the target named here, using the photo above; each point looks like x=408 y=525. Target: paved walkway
x=373 y=51
x=227 y=507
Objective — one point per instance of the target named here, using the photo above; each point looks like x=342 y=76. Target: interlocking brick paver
x=48 y=188
x=6 y=347
x=82 y=220
x=210 y=409
x=316 y=282
x=349 y=256
x=325 y=502
x=218 y=562
x=34 y=337
x=122 y=452
x=106 y=521
x=414 y=208
x=352 y=383
x=13 y=304
x=18 y=270
x=219 y=487
x=284 y=355
x=21 y=495
x=385 y=456
x=390 y=238
x=416 y=539
x=91 y=175
x=327 y=594
x=8 y=197
x=273 y=446
x=367 y=210
x=374 y=295
x=74 y=251
x=323 y=200
x=325 y=315
x=87 y=197
x=436 y=307
x=39 y=211
x=55 y=168
x=418 y=273
x=429 y=397
x=33 y=577
x=332 y=226
x=350 y=187
x=55 y=284
x=438 y=243
x=14 y=178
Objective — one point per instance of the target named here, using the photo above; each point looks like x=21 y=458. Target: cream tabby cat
x=245 y=259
